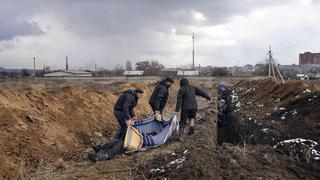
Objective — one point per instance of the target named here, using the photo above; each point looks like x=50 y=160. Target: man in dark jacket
x=187 y=102
x=123 y=109
x=159 y=97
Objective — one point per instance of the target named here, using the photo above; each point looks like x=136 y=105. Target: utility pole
x=272 y=65
x=192 y=51
x=67 y=66
x=269 y=60
x=34 y=64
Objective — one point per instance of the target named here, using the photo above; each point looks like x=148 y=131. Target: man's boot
x=181 y=132
x=191 y=127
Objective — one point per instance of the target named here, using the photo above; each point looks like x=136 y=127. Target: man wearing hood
x=159 y=97
x=187 y=102
x=123 y=109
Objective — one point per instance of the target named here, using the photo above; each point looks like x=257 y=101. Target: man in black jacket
x=123 y=109
x=187 y=102
x=159 y=97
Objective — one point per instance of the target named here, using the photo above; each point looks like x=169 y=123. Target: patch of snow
x=260 y=105
x=294 y=112
x=283 y=117
x=178 y=161
x=238 y=104
x=309 y=99
x=304 y=142
x=282 y=108
x=157 y=170
x=307 y=91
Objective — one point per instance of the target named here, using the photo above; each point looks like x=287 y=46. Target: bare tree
x=151 y=67
x=219 y=71
x=129 y=65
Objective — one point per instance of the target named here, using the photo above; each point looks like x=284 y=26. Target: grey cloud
x=15 y=19
x=14 y=28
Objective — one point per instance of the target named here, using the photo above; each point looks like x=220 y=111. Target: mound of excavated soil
x=291 y=110
x=46 y=124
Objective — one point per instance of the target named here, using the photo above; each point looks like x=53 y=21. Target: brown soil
x=46 y=132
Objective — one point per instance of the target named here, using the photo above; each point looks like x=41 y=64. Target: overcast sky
x=107 y=33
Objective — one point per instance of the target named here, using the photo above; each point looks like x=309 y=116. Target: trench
x=231 y=128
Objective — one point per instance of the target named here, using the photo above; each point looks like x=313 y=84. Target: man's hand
x=158 y=115
x=129 y=122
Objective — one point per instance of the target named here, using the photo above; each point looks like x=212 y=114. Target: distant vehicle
x=302 y=77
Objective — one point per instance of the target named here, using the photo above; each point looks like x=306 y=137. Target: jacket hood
x=130 y=91
x=184 y=82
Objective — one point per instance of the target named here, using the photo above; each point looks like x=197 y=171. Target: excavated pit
x=284 y=116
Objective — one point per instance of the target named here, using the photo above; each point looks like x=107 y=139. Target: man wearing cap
x=159 y=97
x=123 y=109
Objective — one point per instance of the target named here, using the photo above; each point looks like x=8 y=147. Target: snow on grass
x=307 y=143
x=307 y=91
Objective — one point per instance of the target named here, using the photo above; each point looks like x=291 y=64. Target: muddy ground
x=46 y=130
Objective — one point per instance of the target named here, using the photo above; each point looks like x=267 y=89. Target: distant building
x=169 y=72
x=246 y=70
x=133 y=73
x=188 y=73
x=309 y=58
x=69 y=73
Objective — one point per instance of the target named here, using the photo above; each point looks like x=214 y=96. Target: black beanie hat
x=139 y=90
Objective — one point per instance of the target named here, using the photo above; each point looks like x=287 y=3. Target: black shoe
x=96 y=147
x=191 y=130
x=92 y=157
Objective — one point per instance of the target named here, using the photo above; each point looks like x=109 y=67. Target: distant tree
x=39 y=73
x=118 y=70
x=219 y=71
x=314 y=70
x=151 y=67
x=261 y=69
x=25 y=73
x=129 y=66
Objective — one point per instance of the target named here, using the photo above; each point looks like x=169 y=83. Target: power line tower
x=192 y=51
x=273 y=65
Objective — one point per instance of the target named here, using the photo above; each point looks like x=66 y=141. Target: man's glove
x=158 y=115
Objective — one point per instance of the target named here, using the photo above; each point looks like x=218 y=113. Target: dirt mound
x=44 y=125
